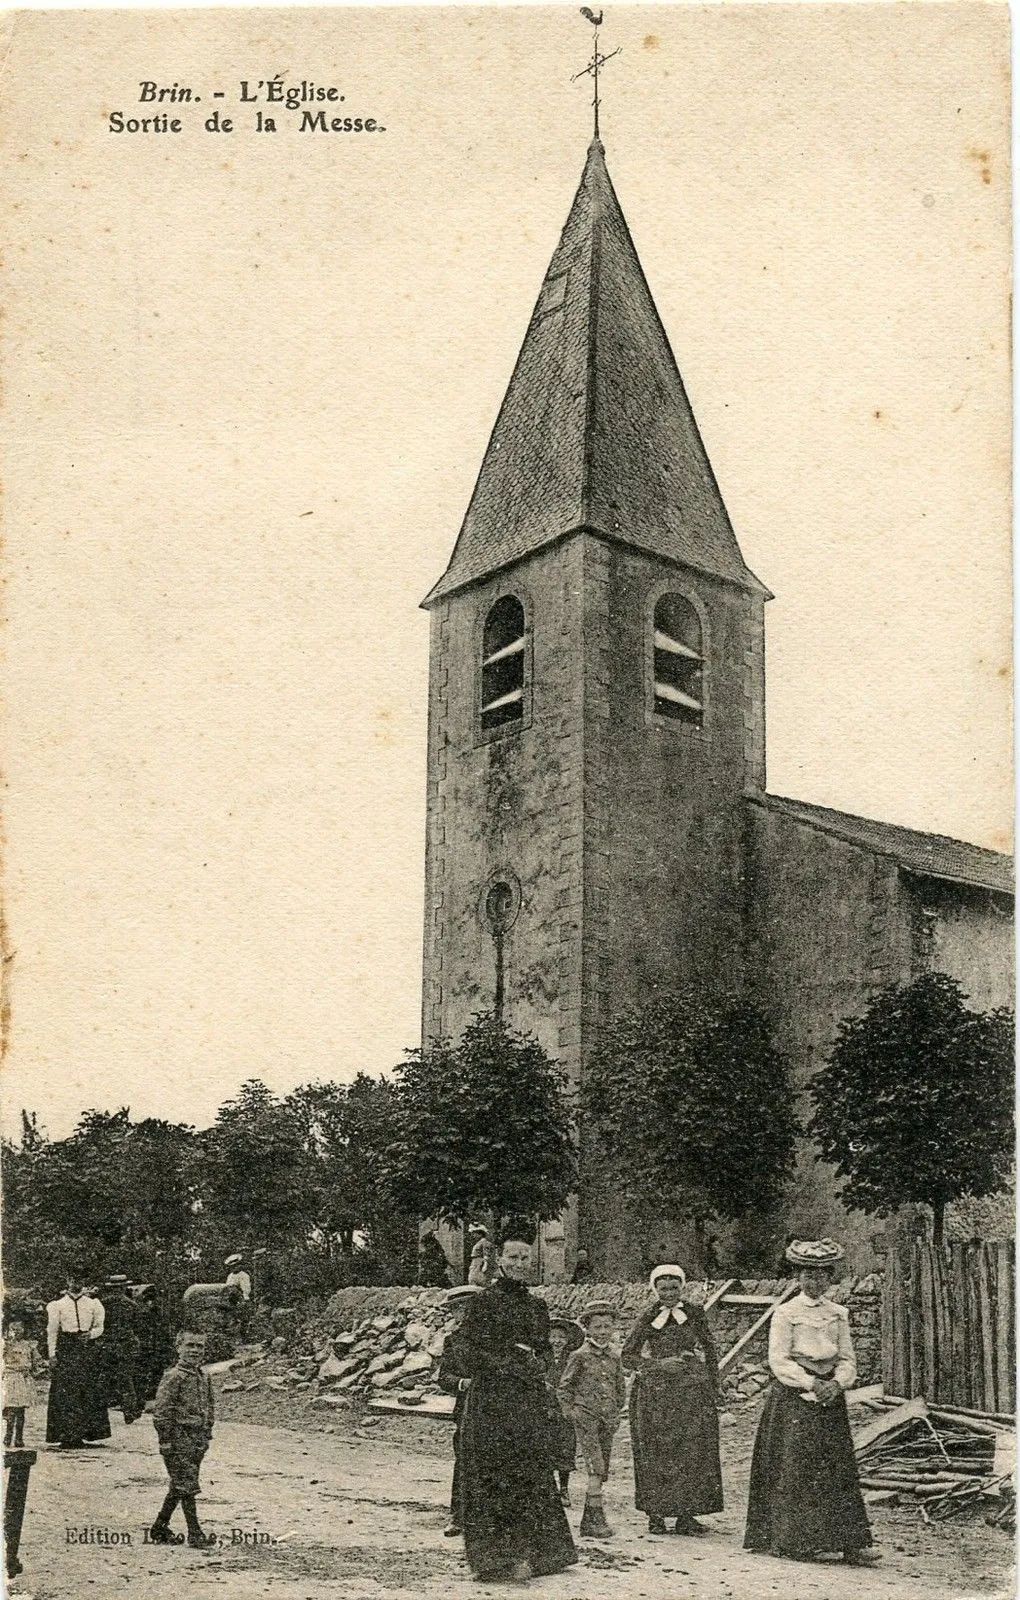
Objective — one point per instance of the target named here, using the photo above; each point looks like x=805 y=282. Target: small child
x=565 y=1337
x=592 y=1392
x=183 y=1414
x=453 y=1379
x=20 y=1360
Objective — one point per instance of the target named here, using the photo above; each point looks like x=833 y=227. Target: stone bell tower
x=596 y=700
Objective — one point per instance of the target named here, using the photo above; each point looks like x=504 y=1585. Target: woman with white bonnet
x=673 y=1422
x=805 y=1498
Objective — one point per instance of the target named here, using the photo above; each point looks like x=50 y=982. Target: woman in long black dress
x=805 y=1498
x=514 y=1525
x=674 y=1426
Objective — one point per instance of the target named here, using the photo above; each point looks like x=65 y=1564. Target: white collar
x=678 y=1315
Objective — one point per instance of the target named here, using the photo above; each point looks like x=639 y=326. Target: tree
x=110 y=1196
x=694 y=1109
x=915 y=1103
x=484 y=1125
x=256 y=1168
x=349 y=1131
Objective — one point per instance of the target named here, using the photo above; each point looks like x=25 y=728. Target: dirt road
x=357 y=1514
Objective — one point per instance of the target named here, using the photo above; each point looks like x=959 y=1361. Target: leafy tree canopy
x=915 y=1103
x=256 y=1170
x=694 y=1108
x=484 y=1126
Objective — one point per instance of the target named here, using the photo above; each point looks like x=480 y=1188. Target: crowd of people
x=532 y=1391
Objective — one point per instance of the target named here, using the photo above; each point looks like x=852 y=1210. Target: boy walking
x=183 y=1414
x=592 y=1392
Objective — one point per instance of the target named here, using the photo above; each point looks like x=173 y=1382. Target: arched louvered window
x=679 y=664
x=503 y=664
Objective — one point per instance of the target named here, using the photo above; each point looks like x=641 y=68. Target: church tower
x=596 y=701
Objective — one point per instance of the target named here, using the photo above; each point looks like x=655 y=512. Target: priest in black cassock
x=514 y=1525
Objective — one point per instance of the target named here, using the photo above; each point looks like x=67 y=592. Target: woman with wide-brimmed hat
x=805 y=1497
x=674 y=1426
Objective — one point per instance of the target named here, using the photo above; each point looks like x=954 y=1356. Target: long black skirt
x=674 y=1430
x=76 y=1407
x=805 y=1496
x=510 y=1509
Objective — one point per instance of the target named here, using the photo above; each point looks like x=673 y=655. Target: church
x=598 y=823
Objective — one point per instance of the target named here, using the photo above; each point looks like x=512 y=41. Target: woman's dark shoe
x=656 y=1525
x=690 y=1527
x=862 y=1558
x=201 y=1541
x=452 y=1530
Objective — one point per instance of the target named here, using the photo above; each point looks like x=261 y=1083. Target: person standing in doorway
x=482 y=1268
x=433 y=1264
x=77 y=1409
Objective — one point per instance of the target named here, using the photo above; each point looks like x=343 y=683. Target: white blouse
x=816 y=1329
x=73 y=1314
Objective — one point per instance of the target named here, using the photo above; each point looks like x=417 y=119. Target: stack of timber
x=946 y=1459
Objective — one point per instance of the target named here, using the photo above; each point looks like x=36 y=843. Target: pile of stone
x=370 y=1341
x=396 y=1350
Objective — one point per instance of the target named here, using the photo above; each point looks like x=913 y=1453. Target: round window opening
x=500 y=901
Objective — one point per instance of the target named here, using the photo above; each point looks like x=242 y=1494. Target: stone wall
x=351 y=1309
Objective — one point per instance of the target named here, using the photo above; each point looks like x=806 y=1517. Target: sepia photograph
x=507 y=933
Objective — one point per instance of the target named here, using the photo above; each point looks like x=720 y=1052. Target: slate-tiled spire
x=595 y=430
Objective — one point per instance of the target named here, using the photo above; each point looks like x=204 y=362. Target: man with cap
x=482 y=1269
x=119 y=1346
x=240 y=1280
x=454 y=1380
x=237 y=1275
x=805 y=1499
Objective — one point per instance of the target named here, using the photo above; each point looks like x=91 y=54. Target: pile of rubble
x=945 y=1460
x=368 y=1342
x=396 y=1350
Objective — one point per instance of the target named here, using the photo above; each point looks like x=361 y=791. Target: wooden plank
x=943 y=1327
x=918 y=1319
x=928 y=1384
x=433 y=1405
x=756 y=1327
x=888 y=1303
x=749 y=1299
x=961 y=1392
x=889 y=1422
x=986 y=1324
x=1005 y=1312
x=899 y=1375
x=860 y=1397
x=717 y=1294
x=1003 y=1419
x=975 y=1366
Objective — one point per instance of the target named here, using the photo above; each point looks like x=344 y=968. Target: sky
x=249 y=382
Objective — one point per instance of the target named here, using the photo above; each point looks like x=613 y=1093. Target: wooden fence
x=948 y=1324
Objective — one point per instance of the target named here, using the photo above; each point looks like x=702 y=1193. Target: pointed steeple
x=595 y=431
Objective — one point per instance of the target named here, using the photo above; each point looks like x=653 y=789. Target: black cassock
x=674 y=1426
x=510 y=1507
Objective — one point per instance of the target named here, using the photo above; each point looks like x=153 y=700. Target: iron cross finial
x=597 y=61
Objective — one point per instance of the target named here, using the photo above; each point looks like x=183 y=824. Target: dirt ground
x=308 y=1507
